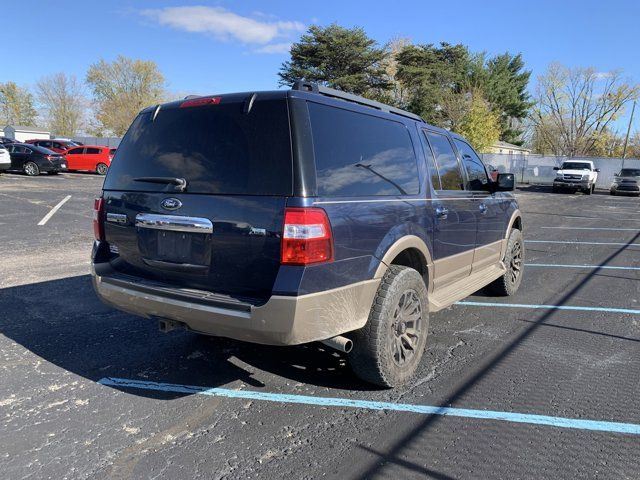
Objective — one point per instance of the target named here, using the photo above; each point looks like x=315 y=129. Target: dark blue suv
x=297 y=216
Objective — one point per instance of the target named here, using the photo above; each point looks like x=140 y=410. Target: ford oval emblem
x=171 y=204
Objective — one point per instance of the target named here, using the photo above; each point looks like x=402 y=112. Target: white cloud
x=275 y=48
x=603 y=75
x=225 y=25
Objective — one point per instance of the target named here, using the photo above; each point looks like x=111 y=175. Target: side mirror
x=597 y=170
x=556 y=168
x=506 y=182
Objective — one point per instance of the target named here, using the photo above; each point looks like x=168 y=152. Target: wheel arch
x=409 y=251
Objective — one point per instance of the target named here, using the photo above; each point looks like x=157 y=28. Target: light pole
x=626 y=139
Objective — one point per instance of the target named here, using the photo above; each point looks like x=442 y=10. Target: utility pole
x=626 y=139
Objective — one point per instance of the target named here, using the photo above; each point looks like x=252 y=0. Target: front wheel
x=31 y=169
x=101 y=169
x=508 y=284
x=388 y=349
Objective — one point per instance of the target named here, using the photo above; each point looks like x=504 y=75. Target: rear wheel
x=31 y=169
x=509 y=283
x=101 y=169
x=611 y=192
x=388 y=349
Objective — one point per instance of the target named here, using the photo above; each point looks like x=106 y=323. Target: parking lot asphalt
x=544 y=384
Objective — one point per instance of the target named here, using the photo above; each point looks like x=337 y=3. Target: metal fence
x=112 y=142
x=538 y=169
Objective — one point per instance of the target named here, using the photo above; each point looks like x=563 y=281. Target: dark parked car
x=306 y=215
x=58 y=146
x=627 y=181
x=33 y=160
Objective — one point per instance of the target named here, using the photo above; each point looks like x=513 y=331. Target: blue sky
x=221 y=46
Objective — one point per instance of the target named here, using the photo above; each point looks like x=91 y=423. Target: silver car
x=5 y=159
x=626 y=181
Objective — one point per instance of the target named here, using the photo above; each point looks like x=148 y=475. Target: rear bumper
x=282 y=320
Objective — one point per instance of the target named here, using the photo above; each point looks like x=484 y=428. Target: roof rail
x=313 y=87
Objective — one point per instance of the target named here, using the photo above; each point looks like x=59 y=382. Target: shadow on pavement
x=63 y=322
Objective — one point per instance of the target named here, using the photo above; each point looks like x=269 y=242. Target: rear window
x=217 y=149
x=361 y=155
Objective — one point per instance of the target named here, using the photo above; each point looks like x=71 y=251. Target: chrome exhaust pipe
x=340 y=343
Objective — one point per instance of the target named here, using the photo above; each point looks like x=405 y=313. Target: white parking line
x=595 y=228
x=46 y=218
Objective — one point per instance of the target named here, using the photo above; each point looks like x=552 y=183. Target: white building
x=508 y=148
x=20 y=134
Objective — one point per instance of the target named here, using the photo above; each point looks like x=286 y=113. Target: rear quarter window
x=361 y=155
x=217 y=149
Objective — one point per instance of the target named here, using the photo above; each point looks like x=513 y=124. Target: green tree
x=338 y=57
x=435 y=77
x=505 y=88
x=121 y=89
x=481 y=124
x=63 y=102
x=16 y=105
x=441 y=80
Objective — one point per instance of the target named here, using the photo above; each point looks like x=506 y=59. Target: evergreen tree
x=342 y=58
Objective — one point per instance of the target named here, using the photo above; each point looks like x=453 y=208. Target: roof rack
x=313 y=87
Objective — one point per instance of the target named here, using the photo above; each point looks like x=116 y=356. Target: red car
x=94 y=158
x=58 y=146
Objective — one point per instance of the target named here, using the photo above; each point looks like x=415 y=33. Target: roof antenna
x=248 y=103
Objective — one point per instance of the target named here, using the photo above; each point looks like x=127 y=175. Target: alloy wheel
x=406 y=328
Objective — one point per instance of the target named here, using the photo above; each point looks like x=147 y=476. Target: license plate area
x=175 y=247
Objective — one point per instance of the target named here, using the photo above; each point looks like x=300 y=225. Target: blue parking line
x=595 y=228
x=561 y=422
x=605 y=267
x=571 y=242
x=550 y=307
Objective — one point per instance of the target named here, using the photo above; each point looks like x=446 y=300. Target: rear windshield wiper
x=179 y=183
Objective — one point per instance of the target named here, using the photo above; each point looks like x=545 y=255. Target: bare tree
x=398 y=93
x=63 y=102
x=575 y=108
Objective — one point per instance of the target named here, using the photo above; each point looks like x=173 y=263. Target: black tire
x=611 y=192
x=589 y=190
x=554 y=189
x=509 y=283
x=101 y=169
x=52 y=173
x=378 y=347
x=31 y=169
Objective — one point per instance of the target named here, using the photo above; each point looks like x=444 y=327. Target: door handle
x=483 y=208
x=442 y=212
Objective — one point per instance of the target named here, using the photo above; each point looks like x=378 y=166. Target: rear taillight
x=98 y=218
x=306 y=237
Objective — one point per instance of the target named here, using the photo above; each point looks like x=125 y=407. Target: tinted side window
x=93 y=151
x=450 y=174
x=360 y=155
x=476 y=172
x=74 y=151
x=431 y=163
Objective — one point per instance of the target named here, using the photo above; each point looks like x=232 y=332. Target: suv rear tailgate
x=222 y=232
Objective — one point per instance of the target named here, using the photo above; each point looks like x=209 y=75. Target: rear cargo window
x=360 y=155
x=217 y=149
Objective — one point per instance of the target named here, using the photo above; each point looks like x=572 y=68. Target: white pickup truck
x=576 y=175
